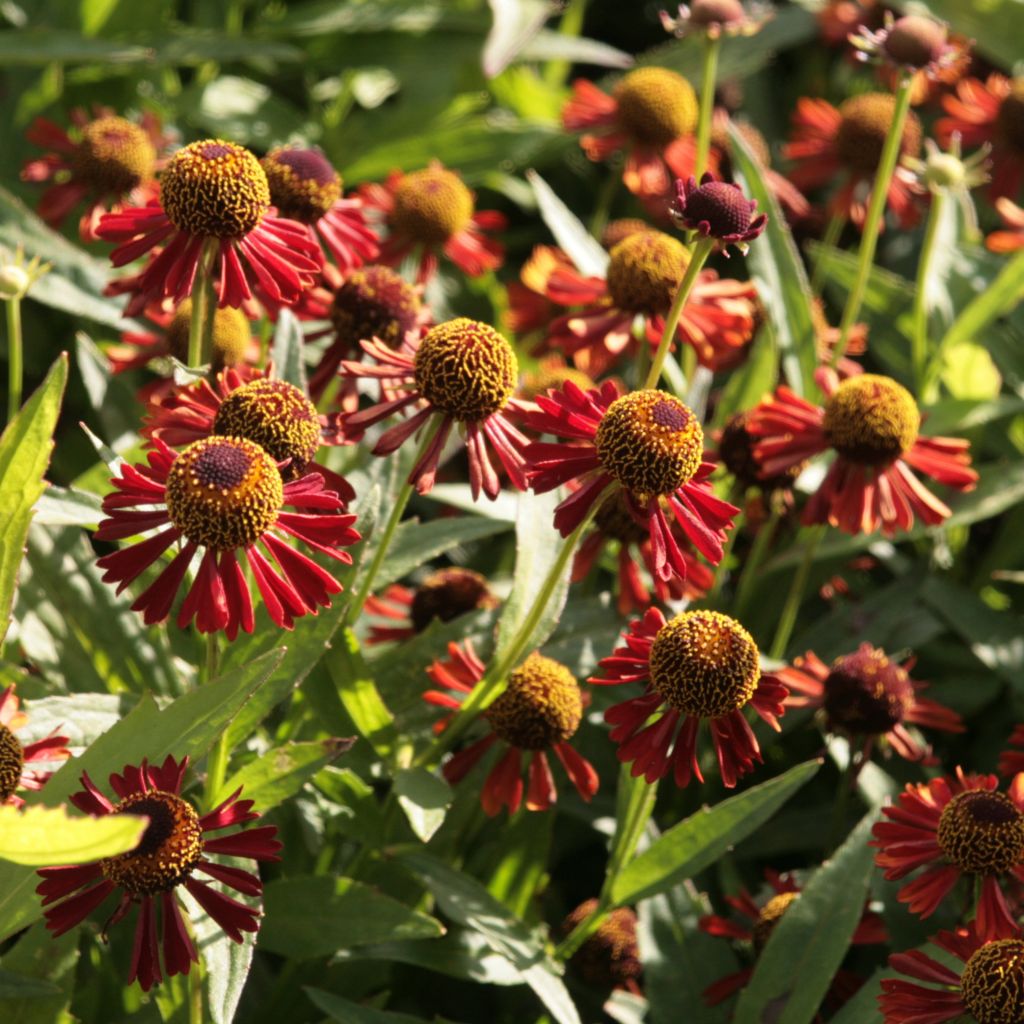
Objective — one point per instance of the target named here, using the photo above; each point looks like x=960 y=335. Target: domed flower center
x=448 y=593
x=704 y=664
x=619 y=230
x=278 y=417
x=1010 y=118
x=644 y=272
x=548 y=377
x=224 y=492
x=614 y=520
x=724 y=208
x=864 y=125
x=169 y=850
x=769 y=916
x=736 y=451
x=916 y=41
x=466 y=369
x=303 y=184
x=982 y=832
x=611 y=956
x=866 y=693
x=993 y=983
x=431 y=205
x=716 y=12
x=374 y=302
x=650 y=442
x=214 y=189
x=541 y=706
x=12 y=760
x=231 y=335
x=113 y=156
x=871 y=420
x=656 y=106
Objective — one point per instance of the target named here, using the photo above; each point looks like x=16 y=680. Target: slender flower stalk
x=200 y=328
x=698 y=257
x=873 y=221
x=217 y=762
x=787 y=620
x=15 y=370
x=919 y=339
x=712 y=46
x=829 y=240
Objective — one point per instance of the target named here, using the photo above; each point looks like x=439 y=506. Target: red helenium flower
x=28 y=765
x=175 y=848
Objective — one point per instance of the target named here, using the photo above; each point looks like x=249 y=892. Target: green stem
x=919 y=341
x=571 y=24
x=829 y=240
x=698 y=257
x=203 y=309
x=217 y=759
x=599 y=221
x=395 y=517
x=760 y=547
x=15 y=350
x=796 y=592
x=873 y=220
x=195 y=993
x=496 y=677
x=846 y=782
x=712 y=45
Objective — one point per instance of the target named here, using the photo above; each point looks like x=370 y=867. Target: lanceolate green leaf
x=778 y=272
x=584 y=250
x=25 y=448
x=287 y=349
x=44 y=836
x=347 y=1012
x=358 y=692
x=701 y=839
x=806 y=947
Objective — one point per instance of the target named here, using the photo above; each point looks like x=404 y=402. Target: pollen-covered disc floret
x=866 y=693
x=619 y=230
x=769 y=916
x=864 y=124
x=432 y=205
x=645 y=270
x=722 y=205
x=656 y=105
x=170 y=847
x=374 y=302
x=231 y=335
x=541 y=706
x=614 y=519
x=650 y=442
x=704 y=664
x=611 y=956
x=303 y=184
x=466 y=369
x=12 y=761
x=1010 y=118
x=277 y=416
x=871 y=420
x=992 y=983
x=551 y=376
x=224 y=492
x=982 y=832
x=448 y=593
x=736 y=452
x=113 y=156
x=214 y=189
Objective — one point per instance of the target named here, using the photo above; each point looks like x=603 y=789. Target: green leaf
x=187 y=727
x=778 y=272
x=282 y=772
x=65 y=506
x=317 y=916
x=286 y=351
x=748 y=384
x=359 y=694
x=25 y=448
x=538 y=546
x=806 y=947
x=111 y=399
x=863 y=1007
x=468 y=903
x=38 y=978
x=584 y=250
x=516 y=22
x=425 y=799
x=995 y=26
x=701 y=839
x=45 y=836
x=18 y=986
x=347 y=1012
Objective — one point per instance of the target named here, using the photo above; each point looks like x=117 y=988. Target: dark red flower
x=719 y=210
x=610 y=958
x=106 y=161
x=1012 y=761
x=461 y=372
x=867 y=696
x=432 y=211
x=29 y=765
x=173 y=851
x=646 y=445
x=872 y=424
x=213 y=192
x=697 y=667
x=539 y=711
x=956 y=827
x=222 y=496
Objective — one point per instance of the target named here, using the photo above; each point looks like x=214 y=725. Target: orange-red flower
x=29 y=765
x=1012 y=238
